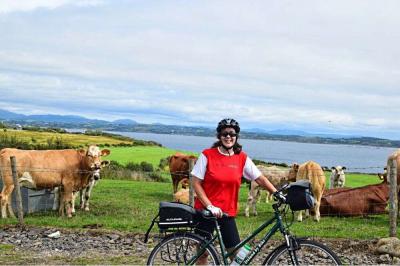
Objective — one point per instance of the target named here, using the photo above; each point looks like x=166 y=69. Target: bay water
x=357 y=158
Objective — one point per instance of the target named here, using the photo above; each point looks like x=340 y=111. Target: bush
x=146 y=167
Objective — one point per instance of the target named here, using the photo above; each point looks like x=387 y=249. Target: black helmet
x=228 y=122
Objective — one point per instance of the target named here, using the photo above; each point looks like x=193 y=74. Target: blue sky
x=317 y=66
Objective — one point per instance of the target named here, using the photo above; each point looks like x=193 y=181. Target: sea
x=356 y=158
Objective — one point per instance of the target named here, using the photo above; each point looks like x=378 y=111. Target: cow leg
x=256 y=197
x=248 y=204
x=6 y=201
x=74 y=194
x=82 y=193
x=87 y=194
x=61 y=206
x=317 y=214
x=270 y=197
x=67 y=199
x=300 y=216
x=175 y=186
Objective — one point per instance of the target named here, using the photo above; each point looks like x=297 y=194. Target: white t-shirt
x=250 y=170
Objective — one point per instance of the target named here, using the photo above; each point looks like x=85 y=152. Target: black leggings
x=229 y=231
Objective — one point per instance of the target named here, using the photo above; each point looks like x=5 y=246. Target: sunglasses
x=231 y=134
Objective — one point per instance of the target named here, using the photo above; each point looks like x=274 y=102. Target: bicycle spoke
x=309 y=253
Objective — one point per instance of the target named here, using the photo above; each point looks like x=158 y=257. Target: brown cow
x=70 y=169
x=179 y=168
x=277 y=176
x=371 y=199
x=312 y=172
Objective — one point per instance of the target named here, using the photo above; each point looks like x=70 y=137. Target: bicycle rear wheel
x=179 y=249
x=308 y=253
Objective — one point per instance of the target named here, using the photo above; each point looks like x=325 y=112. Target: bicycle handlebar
x=208 y=215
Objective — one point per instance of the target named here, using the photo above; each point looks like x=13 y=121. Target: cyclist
x=217 y=178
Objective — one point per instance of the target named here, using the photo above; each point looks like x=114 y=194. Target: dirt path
x=33 y=246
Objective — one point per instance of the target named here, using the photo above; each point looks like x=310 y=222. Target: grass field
x=151 y=154
x=74 y=139
x=131 y=205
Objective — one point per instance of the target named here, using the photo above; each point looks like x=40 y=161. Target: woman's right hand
x=217 y=212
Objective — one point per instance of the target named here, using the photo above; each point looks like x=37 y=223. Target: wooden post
x=191 y=194
x=17 y=190
x=393 y=203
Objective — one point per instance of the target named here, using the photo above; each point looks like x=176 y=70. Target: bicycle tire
x=179 y=248
x=309 y=253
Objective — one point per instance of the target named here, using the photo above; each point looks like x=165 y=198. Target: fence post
x=191 y=194
x=393 y=203
x=17 y=190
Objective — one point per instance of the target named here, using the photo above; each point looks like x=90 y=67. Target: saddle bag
x=175 y=215
x=299 y=196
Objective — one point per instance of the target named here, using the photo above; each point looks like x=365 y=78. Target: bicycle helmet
x=228 y=122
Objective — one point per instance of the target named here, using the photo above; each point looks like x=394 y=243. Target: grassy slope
x=151 y=154
x=76 y=139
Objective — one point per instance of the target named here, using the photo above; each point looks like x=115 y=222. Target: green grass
x=151 y=154
x=131 y=205
x=35 y=137
x=356 y=180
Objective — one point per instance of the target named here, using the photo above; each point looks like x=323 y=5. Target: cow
x=179 y=168
x=338 y=177
x=312 y=172
x=277 y=176
x=361 y=201
x=84 y=193
x=182 y=195
x=70 y=169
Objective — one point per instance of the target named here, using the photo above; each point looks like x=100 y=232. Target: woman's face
x=228 y=137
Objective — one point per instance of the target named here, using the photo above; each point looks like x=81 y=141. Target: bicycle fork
x=292 y=246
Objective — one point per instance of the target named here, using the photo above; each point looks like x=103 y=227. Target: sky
x=317 y=66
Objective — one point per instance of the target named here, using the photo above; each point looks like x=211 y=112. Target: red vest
x=222 y=180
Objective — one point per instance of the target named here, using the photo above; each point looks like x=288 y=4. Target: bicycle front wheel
x=181 y=249
x=308 y=253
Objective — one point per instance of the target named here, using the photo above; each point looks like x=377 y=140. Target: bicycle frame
x=225 y=255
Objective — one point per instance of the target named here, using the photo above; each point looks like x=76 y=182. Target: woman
x=217 y=178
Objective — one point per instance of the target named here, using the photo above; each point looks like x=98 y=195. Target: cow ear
x=105 y=152
x=344 y=168
x=105 y=163
x=333 y=168
x=295 y=166
x=82 y=152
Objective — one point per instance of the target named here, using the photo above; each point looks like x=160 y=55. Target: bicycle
x=185 y=247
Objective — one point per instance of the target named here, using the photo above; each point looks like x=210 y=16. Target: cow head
x=293 y=172
x=338 y=172
x=383 y=176
x=92 y=158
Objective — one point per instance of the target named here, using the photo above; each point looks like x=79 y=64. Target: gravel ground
x=32 y=245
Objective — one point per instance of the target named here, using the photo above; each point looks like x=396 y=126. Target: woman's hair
x=237 y=148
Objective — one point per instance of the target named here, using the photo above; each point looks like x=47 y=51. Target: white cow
x=277 y=176
x=338 y=177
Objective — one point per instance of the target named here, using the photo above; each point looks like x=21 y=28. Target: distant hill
x=128 y=125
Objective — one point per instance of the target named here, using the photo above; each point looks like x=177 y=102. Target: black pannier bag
x=175 y=215
x=299 y=196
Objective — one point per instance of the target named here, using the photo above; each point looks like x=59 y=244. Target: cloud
x=326 y=66
x=8 y=6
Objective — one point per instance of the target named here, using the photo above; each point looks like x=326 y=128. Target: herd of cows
x=76 y=171
x=71 y=170
x=337 y=200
